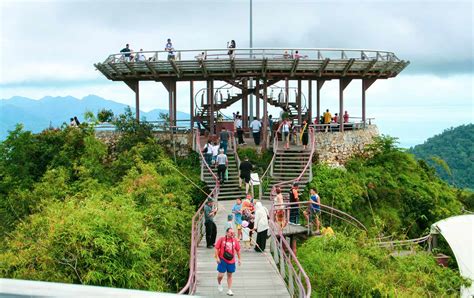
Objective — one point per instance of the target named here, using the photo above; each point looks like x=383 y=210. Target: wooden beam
x=264 y=67
x=323 y=67
x=175 y=67
x=294 y=66
x=114 y=68
x=203 y=68
x=102 y=69
x=369 y=67
x=232 y=67
x=132 y=84
x=191 y=103
x=152 y=69
x=127 y=64
x=387 y=66
x=347 y=67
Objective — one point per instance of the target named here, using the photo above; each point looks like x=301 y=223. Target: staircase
x=229 y=190
x=288 y=165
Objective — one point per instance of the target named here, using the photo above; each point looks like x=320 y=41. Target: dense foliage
x=74 y=210
x=389 y=189
x=260 y=159
x=452 y=155
x=343 y=266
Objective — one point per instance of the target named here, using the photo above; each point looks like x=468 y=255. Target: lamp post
x=251 y=79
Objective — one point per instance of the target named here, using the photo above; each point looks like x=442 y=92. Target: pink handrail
x=196 y=223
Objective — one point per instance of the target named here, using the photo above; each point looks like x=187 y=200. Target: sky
x=48 y=48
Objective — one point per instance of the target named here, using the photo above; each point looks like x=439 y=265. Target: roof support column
x=366 y=83
x=310 y=102
x=265 y=115
x=170 y=85
x=298 y=102
x=191 y=104
x=257 y=98
x=210 y=101
x=245 y=103
x=319 y=85
x=342 y=85
x=135 y=86
x=287 y=91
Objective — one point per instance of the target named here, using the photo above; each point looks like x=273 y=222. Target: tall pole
x=251 y=54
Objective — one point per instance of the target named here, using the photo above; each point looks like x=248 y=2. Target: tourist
x=222 y=163
x=169 y=48
x=248 y=212
x=215 y=152
x=237 y=211
x=201 y=57
x=224 y=139
x=72 y=123
x=255 y=126
x=207 y=151
x=211 y=229
x=294 y=208
x=231 y=46
x=327 y=119
x=304 y=134
x=140 y=56
x=314 y=210
x=126 y=52
x=335 y=119
x=280 y=217
x=246 y=234
x=286 y=55
x=77 y=121
x=297 y=55
x=245 y=169
x=230 y=222
x=240 y=130
x=346 y=117
x=285 y=132
x=261 y=226
x=226 y=249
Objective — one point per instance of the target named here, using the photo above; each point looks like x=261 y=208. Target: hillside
x=36 y=115
x=456 y=147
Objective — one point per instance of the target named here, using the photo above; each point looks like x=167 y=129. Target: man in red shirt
x=346 y=117
x=226 y=248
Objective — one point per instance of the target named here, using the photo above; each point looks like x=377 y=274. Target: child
x=246 y=234
x=230 y=222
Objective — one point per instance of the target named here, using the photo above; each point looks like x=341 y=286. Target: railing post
x=291 y=285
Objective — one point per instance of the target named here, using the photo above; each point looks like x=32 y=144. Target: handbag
x=227 y=255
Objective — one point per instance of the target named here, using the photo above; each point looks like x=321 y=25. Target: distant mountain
x=456 y=147
x=37 y=115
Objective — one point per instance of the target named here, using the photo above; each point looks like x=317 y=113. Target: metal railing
x=254 y=53
x=197 y=222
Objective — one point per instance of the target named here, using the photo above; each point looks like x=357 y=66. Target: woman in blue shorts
x=226 y=248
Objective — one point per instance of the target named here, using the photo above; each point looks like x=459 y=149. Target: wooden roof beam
x=101 y=68
x=323 y=67
x=175 y=67
x=112 y=65
x=203 y=67
x=153 y=70
x=294 y=66
x=369 y=67
x=387 y=66
x=347 y=67
x=127 y=64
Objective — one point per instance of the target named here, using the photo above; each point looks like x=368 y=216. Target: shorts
x=224 y=267
x=238 y=226
x=245 y=178
x=313 y=214
x=286 y=136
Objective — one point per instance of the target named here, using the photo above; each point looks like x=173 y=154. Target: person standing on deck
x=240 y=129
x=126 y=52
x=169 y=48
x=211 y=229
x=346 y=117
x=295 y=208
x=224 y=139
x=304 y=134
x=327 y=119
x=255 y=126
x=261 y=226
x=285 y=132
x=231 y=48
x=226 y=248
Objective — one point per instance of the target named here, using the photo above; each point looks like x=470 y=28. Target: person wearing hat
x=294 y=209
x=246 y=234
x=211 y=229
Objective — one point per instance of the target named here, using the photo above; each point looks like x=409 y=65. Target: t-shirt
x=255 y=125
x=221 y=159
x=224 y=136
x=208 y=148
x=285 y=128
x=215 y=150
x=207 y=211
x=226 y=243
x=237 y=215
x=245 y=168
x=169 y=48
x=245 y=234
x=315 y=207
x=346 y=118
x=327 y=117
x=238 y=123
x=294 y=195
x=127 y=51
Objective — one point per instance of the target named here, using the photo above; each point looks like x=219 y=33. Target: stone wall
x=183 y=142
x=335 y=148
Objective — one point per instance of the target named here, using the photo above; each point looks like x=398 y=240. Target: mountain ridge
x=38 y=114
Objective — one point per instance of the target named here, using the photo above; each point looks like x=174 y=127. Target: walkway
x=257 y=277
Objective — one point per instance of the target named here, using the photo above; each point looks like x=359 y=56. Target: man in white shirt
x=255 y=127
x=240 y=130
x=140 y=56
x=169 y=48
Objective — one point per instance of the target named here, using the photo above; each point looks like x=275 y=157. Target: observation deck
x=307 y=63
